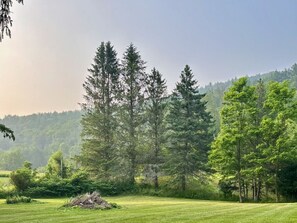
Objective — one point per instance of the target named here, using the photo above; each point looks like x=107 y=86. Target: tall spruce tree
x=155 y=109
x=99 y=122
x=132 y=98
x=189 y=133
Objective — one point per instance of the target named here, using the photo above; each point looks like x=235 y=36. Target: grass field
x=151 y=209
x=5 y=172
x=4 y=180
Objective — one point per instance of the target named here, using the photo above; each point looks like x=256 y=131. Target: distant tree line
x=37 y=136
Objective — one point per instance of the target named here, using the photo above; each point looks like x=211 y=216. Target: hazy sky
x=43 y=65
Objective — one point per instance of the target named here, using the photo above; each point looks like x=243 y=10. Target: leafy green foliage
x=231 y=144
x=215 y=91
x=56 y=165
x=257 y=136
x=22 y=178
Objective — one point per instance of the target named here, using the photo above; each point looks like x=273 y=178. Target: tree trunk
x=254 y=189
x=183 y=183
x=240 y=186
x=276 y=189
x=258 y=190
x=239 y=171
x=246 y=191
x=156 y=182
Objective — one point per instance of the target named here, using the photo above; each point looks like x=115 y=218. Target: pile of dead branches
x=91 y=201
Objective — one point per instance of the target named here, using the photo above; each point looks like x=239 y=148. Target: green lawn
x=5 y=172
x=4 y=180
x=151 y=209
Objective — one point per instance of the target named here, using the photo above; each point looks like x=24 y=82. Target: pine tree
x=99 y=121
x=7 y=132
x=132 y=98
x=155 y=109
x=5 y=17
x=188 y=130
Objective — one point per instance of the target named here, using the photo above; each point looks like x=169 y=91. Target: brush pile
x=90 y=201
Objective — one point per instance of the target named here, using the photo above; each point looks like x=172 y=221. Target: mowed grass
x=151 y=209
x=7 y=172
x=4 y=180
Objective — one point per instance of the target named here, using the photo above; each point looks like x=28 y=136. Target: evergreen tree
x=188 y=130
x=99 y=122
x=156 y=90
x=7 y=132
x=132 y=98
x=5 y=18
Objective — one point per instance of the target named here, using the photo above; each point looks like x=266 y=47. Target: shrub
x=22 y=178
x=4 y=174
x=39 y=191
x=18 y=199
x=6 y=193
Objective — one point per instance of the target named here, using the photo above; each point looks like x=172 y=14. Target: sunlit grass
x=4 y=179
x=6 y=172
x=151 y=209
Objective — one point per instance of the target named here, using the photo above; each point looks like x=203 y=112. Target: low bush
x=4 y=175
x=18 y=199
x=4 y=193
x=75 y=185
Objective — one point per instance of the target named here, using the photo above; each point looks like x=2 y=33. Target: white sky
x=44 y=64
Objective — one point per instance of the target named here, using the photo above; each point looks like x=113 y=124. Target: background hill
x=39 y=135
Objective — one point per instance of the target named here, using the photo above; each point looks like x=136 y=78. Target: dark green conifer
x=188 y=126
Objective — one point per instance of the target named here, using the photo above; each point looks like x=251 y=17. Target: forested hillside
x=38 y=136
x=215 y=92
